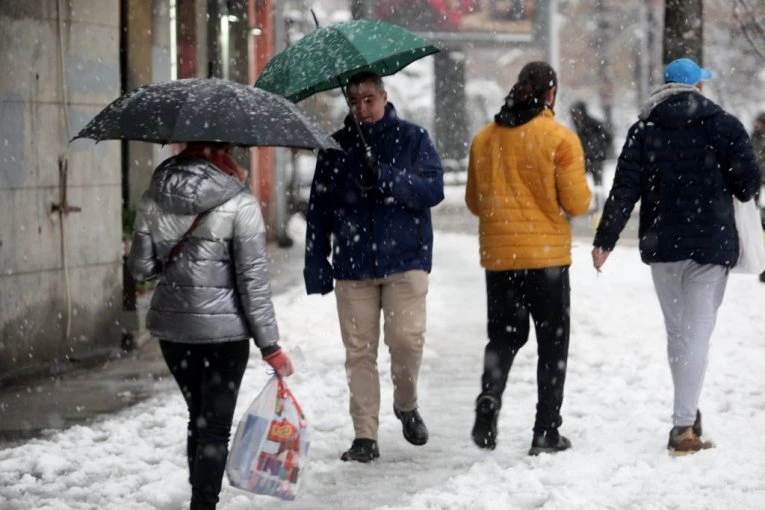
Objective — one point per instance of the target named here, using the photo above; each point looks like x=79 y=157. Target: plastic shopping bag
x=269 y=452
x=751 y=243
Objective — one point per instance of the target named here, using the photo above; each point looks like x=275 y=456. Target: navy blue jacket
x=685 y=160
x=372 y=228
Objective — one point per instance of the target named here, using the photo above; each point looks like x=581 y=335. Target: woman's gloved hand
x=280 y=362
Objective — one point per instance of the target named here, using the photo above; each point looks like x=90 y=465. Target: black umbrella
x=206 y=110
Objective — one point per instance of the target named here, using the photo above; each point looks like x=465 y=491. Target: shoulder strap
x=175 y=250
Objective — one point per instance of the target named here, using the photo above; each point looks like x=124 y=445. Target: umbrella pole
x=367 y=150
x=345 y=95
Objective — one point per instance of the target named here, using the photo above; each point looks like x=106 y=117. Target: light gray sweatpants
x=690 y=295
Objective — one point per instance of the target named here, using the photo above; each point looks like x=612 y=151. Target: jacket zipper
x=372 y=253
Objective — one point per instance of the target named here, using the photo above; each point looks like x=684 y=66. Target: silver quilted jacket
x=217 y=289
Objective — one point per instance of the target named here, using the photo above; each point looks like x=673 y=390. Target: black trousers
x=545 y=295
x=209 y=376
x=595 y=167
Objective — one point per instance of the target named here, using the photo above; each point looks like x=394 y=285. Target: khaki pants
x=401 y=297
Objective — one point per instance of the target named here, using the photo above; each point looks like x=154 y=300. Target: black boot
x=415 y=430
x=362 y=450
x=548 y=441
x=485 y=427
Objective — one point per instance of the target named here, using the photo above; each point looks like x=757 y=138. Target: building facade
x=65 y=207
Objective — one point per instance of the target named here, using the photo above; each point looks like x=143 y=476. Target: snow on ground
x=616 y=411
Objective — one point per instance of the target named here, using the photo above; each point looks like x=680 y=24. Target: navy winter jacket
x=372 y=228
x=684 y=160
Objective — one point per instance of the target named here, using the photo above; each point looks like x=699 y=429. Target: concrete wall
x=37 y=296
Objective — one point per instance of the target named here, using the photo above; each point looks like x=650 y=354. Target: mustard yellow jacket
x=522 y=181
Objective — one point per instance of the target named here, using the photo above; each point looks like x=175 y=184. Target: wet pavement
x=40 y=406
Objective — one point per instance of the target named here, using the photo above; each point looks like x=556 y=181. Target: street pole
x=601 y=47
x=359 y=9
x=280 y=157
x=644 y=58
x=549 y=23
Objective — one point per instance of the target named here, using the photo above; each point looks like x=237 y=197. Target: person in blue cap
x=686 y=71
x=684 y=160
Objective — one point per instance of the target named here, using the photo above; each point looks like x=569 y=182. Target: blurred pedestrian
x=684 y=160
x=758 y=144
x=597 y=141
x=200 y=232
x=525 y=174
x=370 y=209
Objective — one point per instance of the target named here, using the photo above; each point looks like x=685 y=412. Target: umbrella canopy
x=325 y=58
x=206 y=110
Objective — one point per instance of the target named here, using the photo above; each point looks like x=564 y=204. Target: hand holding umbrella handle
x=367 y=149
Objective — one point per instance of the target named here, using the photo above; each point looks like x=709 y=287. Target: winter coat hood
x=515 y=113
x=676 y=105
x=183 y=185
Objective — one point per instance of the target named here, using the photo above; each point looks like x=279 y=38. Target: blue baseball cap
x=685 y=70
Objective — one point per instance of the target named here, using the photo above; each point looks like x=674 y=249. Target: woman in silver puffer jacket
x=201 y=234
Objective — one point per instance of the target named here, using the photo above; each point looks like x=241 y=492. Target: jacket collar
x=514 y=114
x=390 y=117
x=517 y=117
x=661 y=94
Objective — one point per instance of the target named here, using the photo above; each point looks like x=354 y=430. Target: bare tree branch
x=753 y=18
x=747 y=21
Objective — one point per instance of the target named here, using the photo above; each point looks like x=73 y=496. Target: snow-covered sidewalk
x=616 y=412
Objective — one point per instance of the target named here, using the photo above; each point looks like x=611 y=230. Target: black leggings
x=209 y=376
x=512 y=296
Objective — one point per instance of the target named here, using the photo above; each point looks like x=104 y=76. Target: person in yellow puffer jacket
x=526 y=175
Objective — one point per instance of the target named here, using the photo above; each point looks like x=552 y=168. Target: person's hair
x=212 y=145
x=579 y=107
x=364 y=76
x=534 y=80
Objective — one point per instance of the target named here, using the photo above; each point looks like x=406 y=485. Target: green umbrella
x=325 y=58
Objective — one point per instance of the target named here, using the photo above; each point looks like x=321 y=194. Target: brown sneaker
x=684 y=441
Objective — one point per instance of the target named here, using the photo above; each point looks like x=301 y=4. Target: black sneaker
x=415 y=430
x=362 y=450
x=485 y=427
x=549 y=441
